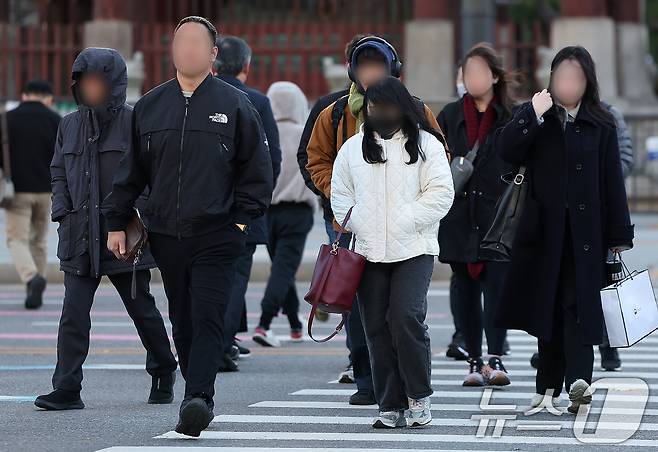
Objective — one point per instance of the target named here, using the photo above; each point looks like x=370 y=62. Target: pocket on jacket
x=64 y=241
x=72 y=241
x=408 y=220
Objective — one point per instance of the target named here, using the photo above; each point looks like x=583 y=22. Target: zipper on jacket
x=148 y=143
x=180 y=168
x=222 y=143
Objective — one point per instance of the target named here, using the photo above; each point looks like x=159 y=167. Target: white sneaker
x=420 y=412
x=390 y=419
x=266 y=338
x=579 y=394
x=537 y=399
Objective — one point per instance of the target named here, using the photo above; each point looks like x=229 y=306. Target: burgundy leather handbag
x=336 y=277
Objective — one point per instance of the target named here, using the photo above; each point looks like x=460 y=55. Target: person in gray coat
x=90 y=143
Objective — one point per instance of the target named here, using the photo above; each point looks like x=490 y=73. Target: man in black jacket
x=232 y=66
x=31 y=132
x=198 y=144
x=90 y=143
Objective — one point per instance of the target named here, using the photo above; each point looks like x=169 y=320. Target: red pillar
x=583 y=8
x=112 y=10
x=432 y=9
x=626 y=11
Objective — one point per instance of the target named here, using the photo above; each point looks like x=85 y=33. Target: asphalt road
x=286 y=399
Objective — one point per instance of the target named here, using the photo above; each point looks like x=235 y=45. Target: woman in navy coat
x=575 y=212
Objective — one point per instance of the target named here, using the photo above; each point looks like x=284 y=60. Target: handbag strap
x=4 y=133
x=337 y=330
x=470 y=156
x=342 y=226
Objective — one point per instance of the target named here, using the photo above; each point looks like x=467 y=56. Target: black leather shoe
x=195 y=416
x=534 y=360
x=162 y=389
x=363 y=397
x=228 y=365
x=60 y=399
x=35 y=288
x=610 y=359
x=457 y=351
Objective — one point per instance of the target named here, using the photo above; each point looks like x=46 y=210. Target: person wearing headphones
x=371 y=60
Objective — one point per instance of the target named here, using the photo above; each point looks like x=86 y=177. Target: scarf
x=478 y=131
x=355 y=104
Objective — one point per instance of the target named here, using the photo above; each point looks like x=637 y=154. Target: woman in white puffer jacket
x=395 y=176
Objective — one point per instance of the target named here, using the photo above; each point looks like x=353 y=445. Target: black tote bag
x=497 y=243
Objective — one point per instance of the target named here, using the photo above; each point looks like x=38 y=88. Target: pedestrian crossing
x=319 y=418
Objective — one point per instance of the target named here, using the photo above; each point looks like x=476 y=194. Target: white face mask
x=461 y=90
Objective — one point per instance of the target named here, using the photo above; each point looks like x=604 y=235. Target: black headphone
x=396 y=64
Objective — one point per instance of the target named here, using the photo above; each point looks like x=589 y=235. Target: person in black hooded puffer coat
x=90 y=143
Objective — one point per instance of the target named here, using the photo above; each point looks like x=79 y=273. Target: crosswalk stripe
x=397 y=437
x=452 y=422
x=437 y=407
x=515 y=383
x=532 y=372
x=525 y=356
x=524 y=364
x=84 y=366
x=476 y=393
x=268 y=449
x=515 y=339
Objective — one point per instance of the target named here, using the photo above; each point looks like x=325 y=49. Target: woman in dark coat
x=576 y=210
x=474 y=118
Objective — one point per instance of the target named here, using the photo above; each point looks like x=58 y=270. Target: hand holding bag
x=629 y=308
x=336 y=277
x=7 y=191
x=497 y=243
x=136 y=238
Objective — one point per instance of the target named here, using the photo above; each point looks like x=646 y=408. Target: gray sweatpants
x=393 y=302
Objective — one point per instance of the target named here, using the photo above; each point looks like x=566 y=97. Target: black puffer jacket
x=90 y=144
x=205 y=159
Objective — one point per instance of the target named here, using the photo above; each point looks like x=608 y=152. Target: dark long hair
x=506 y=79
x=390 y=91
x=590 y=98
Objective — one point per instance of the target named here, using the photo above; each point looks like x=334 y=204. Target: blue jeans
x=356 y=337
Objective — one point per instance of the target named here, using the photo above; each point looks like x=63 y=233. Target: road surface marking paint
x=397 y=437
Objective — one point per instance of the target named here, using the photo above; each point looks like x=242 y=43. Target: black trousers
x=237 y=305
x=288 y=226
x=198 y=274
x=393 y=302
x=564 y=358
x=356 y=337
x=75 y=324
x=466 y=300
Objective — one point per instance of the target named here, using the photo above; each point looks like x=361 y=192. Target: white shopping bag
x=629 y=309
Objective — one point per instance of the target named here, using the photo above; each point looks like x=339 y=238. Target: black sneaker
x=35 y=288
x=474 y=377
x=457 y=351
x=227 y=364
x=347 y=376
x=60 y=399
x=162 y=389
x=194 y=417
x=363 y=397
x=244 y=351
x=495 y=373
x=534 y=360
x=609 y=358
x=234 y=354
